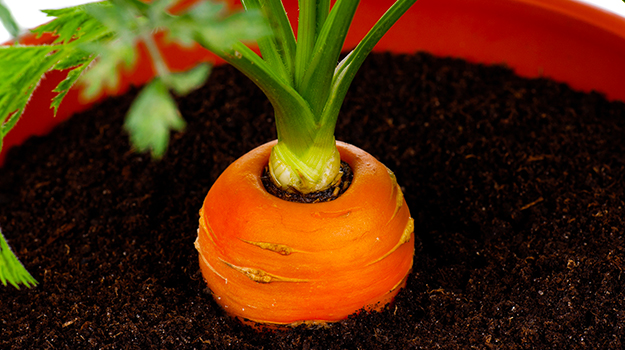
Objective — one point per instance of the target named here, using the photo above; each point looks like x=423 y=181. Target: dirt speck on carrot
x=260 y=276
x=281 y=249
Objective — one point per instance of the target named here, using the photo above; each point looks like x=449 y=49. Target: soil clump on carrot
x=332 y=193
x=516 y=186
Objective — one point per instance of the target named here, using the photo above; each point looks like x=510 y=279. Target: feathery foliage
x=93 y=42
x=11 y=269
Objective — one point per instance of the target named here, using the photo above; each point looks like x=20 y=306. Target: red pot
x=560 y=39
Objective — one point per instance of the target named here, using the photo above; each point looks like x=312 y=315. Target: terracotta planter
x=262 y=264
x=560 y=39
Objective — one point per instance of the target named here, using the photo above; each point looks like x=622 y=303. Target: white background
x=27 y=15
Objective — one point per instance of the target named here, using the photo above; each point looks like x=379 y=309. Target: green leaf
x=66 y=84
x=121 y=19
x=74 y=22
x=207 y=11
x=11 y=269
x=323 y=9
x=139 y=6
x=8 y=21
x=217 y=31
x=156 y=10
x=185 y=82
x=105 y=73
x=22 y=68
x=348 y=67
x=151 y=118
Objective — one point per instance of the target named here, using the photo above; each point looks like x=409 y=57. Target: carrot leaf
x=73 y=23
x=11 y=269
x=22 y=68
x=184 y=82
x=220 y=31
x=7 y=20
x=105 y=74
x=93 y=42
x=151 y=117
x=76 y=65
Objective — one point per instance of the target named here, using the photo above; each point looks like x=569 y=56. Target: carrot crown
x=305 y=82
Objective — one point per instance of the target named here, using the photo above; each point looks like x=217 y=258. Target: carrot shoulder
x=274 y=261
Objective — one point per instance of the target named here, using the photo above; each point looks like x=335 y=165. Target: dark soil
x=516 y=187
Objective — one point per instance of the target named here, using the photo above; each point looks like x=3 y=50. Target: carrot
x=272 y=261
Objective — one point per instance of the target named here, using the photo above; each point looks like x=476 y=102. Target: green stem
x=306 y=33
x=317 y=80
x=323 y=8
x=348 y=67
x=274 y=48
x=303 y=83
x=155 y=54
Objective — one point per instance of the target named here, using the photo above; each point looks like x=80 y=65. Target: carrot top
x=306 y=83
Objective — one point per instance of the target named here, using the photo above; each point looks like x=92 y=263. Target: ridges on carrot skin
x=197 y=247
x=399 y=202
x=258 y=265
x=405 y=238
x=399 y=195
x=260 y=276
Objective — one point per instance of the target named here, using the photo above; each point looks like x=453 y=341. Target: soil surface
x=516 y=187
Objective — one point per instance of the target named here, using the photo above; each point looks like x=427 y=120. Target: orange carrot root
x=279 y=262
